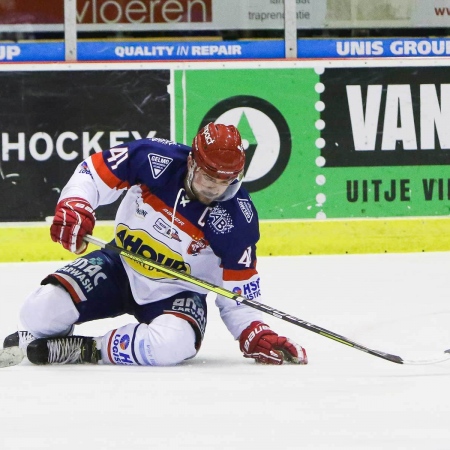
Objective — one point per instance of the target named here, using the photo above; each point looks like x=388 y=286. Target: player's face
x=206 y=188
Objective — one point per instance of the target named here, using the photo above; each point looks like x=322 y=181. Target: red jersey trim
x=69 y=288
x=105 y=173
x=110 y=340
x=238 y=275
x=181 y=222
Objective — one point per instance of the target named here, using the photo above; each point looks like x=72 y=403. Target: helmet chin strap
x=189 y=178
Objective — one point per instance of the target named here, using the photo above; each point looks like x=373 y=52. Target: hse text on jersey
x=249 y=290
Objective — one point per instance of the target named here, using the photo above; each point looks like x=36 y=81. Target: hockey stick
x=261 y=307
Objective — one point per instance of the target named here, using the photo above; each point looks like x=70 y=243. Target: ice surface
x=343 y=399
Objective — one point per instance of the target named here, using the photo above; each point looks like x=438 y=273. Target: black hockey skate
x=18 y=339
x=64 y=350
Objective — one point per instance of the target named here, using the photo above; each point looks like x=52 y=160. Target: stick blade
x=416 y=362
x=432 y=360
x=11 y=356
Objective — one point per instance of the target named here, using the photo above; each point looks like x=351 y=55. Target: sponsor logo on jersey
x=162 y=141
x=117 y=356
x=158 y=164
x=143 y=244
x=193 y=308
x=220 y=220
x=140 y=212
x=249 y=290
x=124 y=342
x=238 y=291
x=86 y=272
x=85 y=168
x=246 y=208
x=166 y=230
x=170 y=214
x=196 y=246
x=96 y=261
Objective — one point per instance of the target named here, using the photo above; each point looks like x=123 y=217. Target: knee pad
x=48 y=311
x=166 y=341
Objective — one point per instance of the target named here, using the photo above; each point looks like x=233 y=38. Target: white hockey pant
x=48 y=311
x=167 y=340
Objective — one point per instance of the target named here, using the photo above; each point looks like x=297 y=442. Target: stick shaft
x=238 y=298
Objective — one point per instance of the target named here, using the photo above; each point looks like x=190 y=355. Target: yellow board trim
x=355 y=236
x=31 y=242
x=28 y=243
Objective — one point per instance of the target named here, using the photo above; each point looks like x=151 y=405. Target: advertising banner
x=339 y=143
x=52 y=120
x=370 y=48
x=385 y=141
x=154 y=15
x=226 y=50
x=216 y=15
x=366 y=141
x=274 y=109
x=144 y=51
x=169 y=51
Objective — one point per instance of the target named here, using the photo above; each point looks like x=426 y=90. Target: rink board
x=31 y=242
x=325 y=175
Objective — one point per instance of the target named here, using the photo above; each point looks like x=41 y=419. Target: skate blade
x=11 y=356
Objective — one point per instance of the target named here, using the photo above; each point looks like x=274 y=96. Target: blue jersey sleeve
x=145 y=161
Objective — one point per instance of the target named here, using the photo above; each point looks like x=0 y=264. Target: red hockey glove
x=74 y=218
x=258 y=341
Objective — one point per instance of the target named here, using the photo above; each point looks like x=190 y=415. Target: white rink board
x=343 y=399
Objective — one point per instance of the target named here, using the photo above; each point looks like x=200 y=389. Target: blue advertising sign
x=366 y=48
x=221 y=50
x=113 y=51
x=144 y=51
x=32 y=52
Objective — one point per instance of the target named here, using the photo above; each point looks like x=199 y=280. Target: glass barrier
x=232 y=28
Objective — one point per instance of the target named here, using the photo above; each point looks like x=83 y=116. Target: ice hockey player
x=185 y=208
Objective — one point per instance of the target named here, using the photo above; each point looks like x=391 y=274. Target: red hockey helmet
x=217 y=149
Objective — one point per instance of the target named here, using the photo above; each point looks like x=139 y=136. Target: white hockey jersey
x=157 y=220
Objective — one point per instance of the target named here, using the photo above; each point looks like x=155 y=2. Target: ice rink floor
x=344 y=398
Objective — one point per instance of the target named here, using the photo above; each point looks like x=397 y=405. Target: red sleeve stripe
x=110 y=340
x=106 y=175
x=182 y=223
x=238 y=275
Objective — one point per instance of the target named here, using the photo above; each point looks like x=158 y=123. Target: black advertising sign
x=386 y=116
x=51 y=121
x=385 y=141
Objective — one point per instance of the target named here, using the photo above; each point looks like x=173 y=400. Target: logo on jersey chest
x=140 y=212
x=165 y=229
x=196 y=246
x=246 y=209
x=158 y=164
x=141 y=243
x=220 y=221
